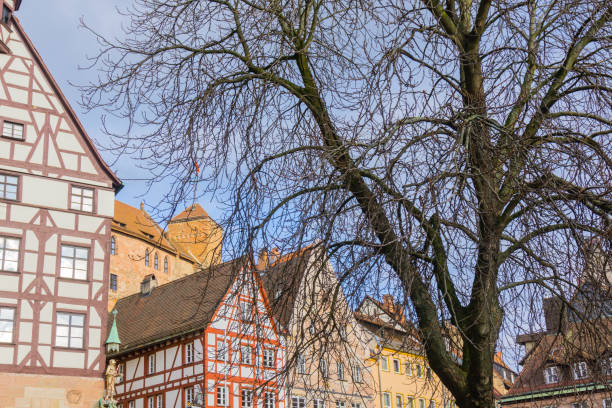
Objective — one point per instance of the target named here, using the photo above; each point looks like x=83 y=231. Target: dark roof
x=282 y=281
x=178 y=307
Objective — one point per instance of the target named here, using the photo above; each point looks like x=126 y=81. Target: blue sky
x=53 y=27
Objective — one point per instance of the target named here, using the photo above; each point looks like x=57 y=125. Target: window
x=69 y=330
x=9 y=186
x=419 y=371
x=551 y=374
x=429 y=373
x=246 y=311
x=301 y=364
x=355 y=405
x=189 y=397
x=151 y=363
x=432 y=404
x=222 y=396
x=246 y=355
x=269 y=358
x=121 y=372
x=156 y=262
x=396 y=365
x=607 y=403
x=580 y=370
x=113 y=246
x=6 y=14
x=408 y=368
x=323 y=368
x=298 y=402
x=155 y=401
x=221 y=351
x=399 y=401
x=81 y=199
x=340 y=371
x=580 y=404
x=12 y=130
x=356 y=373
x=269 y=400
x=246 y=399
x=189 y=353
x=318 y=403
x=340 y=404
x=73 y=262
x=7 y=322
x=132 y=404
x=165 y=264
x=146 y=257
x=386 y=400
x=421 y=403
x=384 y=363
x=409 y=402
x=343 y=333
x=113 y=282
x=9 y=254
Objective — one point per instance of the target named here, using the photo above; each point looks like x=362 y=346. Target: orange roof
x=191 y=212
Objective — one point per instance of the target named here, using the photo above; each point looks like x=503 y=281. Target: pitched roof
x=282 y=281
x=194 y=211
x=179 y=307
x=136 y=222
x=117 y=184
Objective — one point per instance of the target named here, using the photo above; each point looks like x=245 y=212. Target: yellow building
x=401 y=373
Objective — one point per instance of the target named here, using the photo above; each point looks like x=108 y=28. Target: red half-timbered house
x=56 y=207
x=203 y=340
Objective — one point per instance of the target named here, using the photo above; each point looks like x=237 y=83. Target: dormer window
x=551 y=375
x=606 y=366
x=6 y=14
x=147 y=285
x=580 y=370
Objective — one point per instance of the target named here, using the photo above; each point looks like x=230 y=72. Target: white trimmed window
x=432 y=404
x=429 y=373
x=384 y=363
x=189 y=395
x=323 y=368
x=340 y=370
x=9 y=254
x=551 y=375
x=121 y=372
x=580 y=370
x=269 y=358
x=396 y=366
x=421 y=403
x=301 y=364
x=419 y=371
x=12 y=130
x=151 y=364
x=132 y=404
x=409 y=402
x=408 y=368
x=9 y=185
x=155 y=401
x=246 y=311
x=7 y=322
x=318 y=403
x=246 y=399
x=340 y=404
x=189 y=353
x=355 y=405
x=298 y=402
x=606 y=403
x=356 y=373
x=73 y=262
x=222 y=396
x=580 y=404
x=269 y=400
x=386 y=400
x=81 y=199
x=246 y=355
x=221 y=351
x=69 y=330
x=399 y=401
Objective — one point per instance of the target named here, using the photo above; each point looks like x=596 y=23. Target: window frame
x=5 y=183
x=340 y=370
x=189 y=350
x=408 y=368
x=548 y=374
x=151 y=363
x=267 y=356
x=3 y=251
x=323 y=368
x=157 y=399
x=269 y=399
x=387 y=396
x=397 y=367
x=298 y=402
x=156 y=261
x=223 y=349
x=580 y=370
x=318 y=403
x=146 y=257
x=12 y=323
x=74 y=258
x=113 y=282
x=224 y=401
x=357 y=377
x=384 y=363
x=83 y=188
x=248 y=401
x=187 y=391
x=419 y=370
x=113 y=245
x=166 y=264
x=399 y=400
x=3 y=123
x=56 y=326
x=301 y=364
x=243 y=354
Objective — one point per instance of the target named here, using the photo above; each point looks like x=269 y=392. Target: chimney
x=394 y=309
x=147 y=285
x=142 y=206
x=266 y=258
x=554 y=314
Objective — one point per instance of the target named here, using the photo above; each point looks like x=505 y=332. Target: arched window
x=166 y=264
x=156 y=262
x=113 y=246
x=146 y=257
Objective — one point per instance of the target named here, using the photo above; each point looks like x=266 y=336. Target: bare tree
x=458 y=152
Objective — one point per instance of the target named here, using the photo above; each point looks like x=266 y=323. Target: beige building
x=140 y=247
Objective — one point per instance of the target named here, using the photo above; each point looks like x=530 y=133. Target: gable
x=54 y=142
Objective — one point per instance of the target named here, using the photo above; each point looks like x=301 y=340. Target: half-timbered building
x=56 y=206
x=204 y=339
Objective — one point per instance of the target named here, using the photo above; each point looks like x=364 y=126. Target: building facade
x=140 y=247
x=56 y=207
x=326 y=348
x=206 y=339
